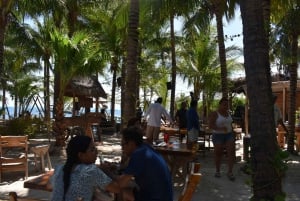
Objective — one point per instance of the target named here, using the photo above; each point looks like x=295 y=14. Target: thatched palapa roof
x=87 y=86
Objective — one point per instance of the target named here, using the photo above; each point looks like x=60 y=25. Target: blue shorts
x=221 y=138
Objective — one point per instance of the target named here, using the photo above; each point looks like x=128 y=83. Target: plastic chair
x=13 y=154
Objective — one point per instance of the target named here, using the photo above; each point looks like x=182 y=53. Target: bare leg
x=218 y=151
x=149 y=134
x=230 y=147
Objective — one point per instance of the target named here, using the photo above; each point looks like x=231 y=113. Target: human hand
x=127 y=194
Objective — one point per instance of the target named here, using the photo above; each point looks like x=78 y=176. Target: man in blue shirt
x=193 y=126
x=146 y=167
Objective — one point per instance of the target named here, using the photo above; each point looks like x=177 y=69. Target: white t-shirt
x=155 y=112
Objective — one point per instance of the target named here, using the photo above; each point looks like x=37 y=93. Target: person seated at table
x=181 y=118
x=79 y=177
x=147 y=167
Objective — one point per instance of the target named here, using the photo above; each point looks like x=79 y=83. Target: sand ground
x=209 y=188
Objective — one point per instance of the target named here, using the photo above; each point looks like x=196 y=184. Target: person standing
x=155 y=112
x=222 y=136
x=146 y=167
x=278 y=116
x=193 y=126
x=181 y=117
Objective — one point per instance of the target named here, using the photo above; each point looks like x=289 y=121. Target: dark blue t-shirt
x=151 y=174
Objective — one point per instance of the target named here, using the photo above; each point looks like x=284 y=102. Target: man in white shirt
x=155 y=112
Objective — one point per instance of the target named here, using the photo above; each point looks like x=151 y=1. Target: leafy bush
x=22 y=126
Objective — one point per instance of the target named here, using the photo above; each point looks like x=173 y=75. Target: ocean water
x=35 y=112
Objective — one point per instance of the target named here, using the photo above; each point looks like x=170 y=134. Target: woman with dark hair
x=79 y=176
x=222 y=136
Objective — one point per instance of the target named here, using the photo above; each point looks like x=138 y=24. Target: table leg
x=49 y=161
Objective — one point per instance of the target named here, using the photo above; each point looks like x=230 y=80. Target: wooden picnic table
x=178 y=159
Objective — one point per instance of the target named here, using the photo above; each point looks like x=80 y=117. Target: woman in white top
x=222 y=136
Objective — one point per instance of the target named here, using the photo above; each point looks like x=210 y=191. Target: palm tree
x=168 y=10
x=266 y=184
x=131 y=65
x=73 y=56
x=110 y=30
x=41 y=38
x=286 y=47
x=5 y=9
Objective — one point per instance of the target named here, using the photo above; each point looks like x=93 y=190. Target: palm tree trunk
x=3 y=23
x=113 y=87
x=47 y=90
x=174 y=68
x=222 y=54
x=264 y=147
x=293 y=91
x=131 y=65
x=58 y=126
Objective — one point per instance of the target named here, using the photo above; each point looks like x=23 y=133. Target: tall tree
x=5 y=9
x=219 y=8
x=286 y=34
x=131 y=65
x=264 y=148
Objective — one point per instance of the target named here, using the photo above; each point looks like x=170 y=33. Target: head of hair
x=183 y=104
x=134 y=134
x=194 y=103
x=79 y=143
x=223 y=100
x=159 y=100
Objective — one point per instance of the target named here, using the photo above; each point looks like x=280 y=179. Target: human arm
x=167 y=115
x=280 y=121
x=124 y=185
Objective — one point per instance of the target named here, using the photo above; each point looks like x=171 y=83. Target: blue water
x=35 y=112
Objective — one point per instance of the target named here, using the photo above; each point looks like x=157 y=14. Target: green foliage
x=280 y=162
x=236 y=101
x=22 y=126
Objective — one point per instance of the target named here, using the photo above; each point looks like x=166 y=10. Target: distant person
x=139 y=113
x=103 y=114
x=79 y=176
x=278 y=116
x=148 y=168
x=155 y=112
x=222 y=136
x=181 y=117
x=193 y=125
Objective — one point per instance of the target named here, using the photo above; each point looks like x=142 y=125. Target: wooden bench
x=192 y=180
x=41 y=151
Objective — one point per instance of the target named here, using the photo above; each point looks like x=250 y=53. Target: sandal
x=217 y=174
x=230 y=176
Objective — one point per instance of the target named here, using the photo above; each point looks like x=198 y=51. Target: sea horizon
x=9 y=112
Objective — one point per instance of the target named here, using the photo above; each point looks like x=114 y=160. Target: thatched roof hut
x=85 y=86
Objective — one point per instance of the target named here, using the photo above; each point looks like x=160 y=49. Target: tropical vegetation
x=44 y=44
